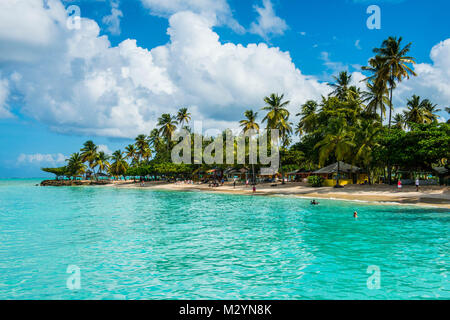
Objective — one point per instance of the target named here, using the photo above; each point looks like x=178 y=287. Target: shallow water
x=142 y=244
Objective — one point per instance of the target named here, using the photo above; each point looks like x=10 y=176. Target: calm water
x=141 y=244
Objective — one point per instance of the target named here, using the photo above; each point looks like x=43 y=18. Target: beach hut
x=340 y=174
x=241 y=174
x=299 y=175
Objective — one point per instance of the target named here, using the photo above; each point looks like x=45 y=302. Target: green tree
x=337 y=141
x=119 y=166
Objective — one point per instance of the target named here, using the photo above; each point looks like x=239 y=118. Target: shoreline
x=429 y=196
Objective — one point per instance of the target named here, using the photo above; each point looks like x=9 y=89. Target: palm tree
x=75 y=165
x=101 y=161
x=417 y=111
x=394 y=65
x=308 y=118
x=432 y=109
x=277 y=118
x=338 y=141
x=250 y=122
x=89 y=153
x=341 y=87
x=399 y=121
x=119 y=165
x=167 y=126
x=143 y=149
x=377 y=97
x=367 y=140
x=131 y=153
x=183 y=116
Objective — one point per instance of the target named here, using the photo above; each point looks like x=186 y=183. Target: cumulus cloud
x=4 y=93
x=78 y=83
x=41 y=159
x=267 y=23
x=104 y=148
x=113 y=20
x=216 y=10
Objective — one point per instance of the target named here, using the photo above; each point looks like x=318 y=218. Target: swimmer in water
x=314 y=202
x=355 y=214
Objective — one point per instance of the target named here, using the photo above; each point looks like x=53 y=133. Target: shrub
x=315 y=181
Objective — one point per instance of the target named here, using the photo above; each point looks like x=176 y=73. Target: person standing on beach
x=234 y=183
x=417 y=184
x=399 y=185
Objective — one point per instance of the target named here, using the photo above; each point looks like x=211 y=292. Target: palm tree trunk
x=389 y=160
x=337 y=176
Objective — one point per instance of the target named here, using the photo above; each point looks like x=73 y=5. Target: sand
x=432 y=196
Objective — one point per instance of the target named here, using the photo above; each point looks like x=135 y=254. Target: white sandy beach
x=435 y=196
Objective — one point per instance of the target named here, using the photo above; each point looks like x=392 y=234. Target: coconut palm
x=341 y=86
x=395 y=65
x=119 y=165
x=377 y=97
x=277 y=118
x=417 y=111
x=143 y=149
x=432 y=109
x=183 y=116
x=399 y=121
x=89 y=153
x=338 y=141
x=75 y=165
x=250 y=122
x=131 y=153
x=167 y=126
x=101 y=161
x=308 y=118
x=366 y=140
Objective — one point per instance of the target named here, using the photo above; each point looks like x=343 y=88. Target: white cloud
x=432 y=81
x=4 y=93
x=113 y=20
x=357 y=44
x=216 y=10
x=79 y=83
x=267 y=23
x=104 y=148
x=40 y=159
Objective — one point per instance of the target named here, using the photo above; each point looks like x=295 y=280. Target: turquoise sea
x=142 y=244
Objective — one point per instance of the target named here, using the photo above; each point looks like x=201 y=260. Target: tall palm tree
x=101 y=161
x=132 y=153
x=119 y=165
x=377 y=97
x=308 y=118
x=249 y=122
x=341 y=86
x=89 y=153
x=183 y=116
x=277 y=118
x=417 y=111
x=366 y=140
x=167 y=126
x=75 y=165
x=395 y=65
x=338 y=141
x=143 y=148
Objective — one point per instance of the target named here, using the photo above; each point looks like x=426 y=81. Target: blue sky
x=110 y=79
